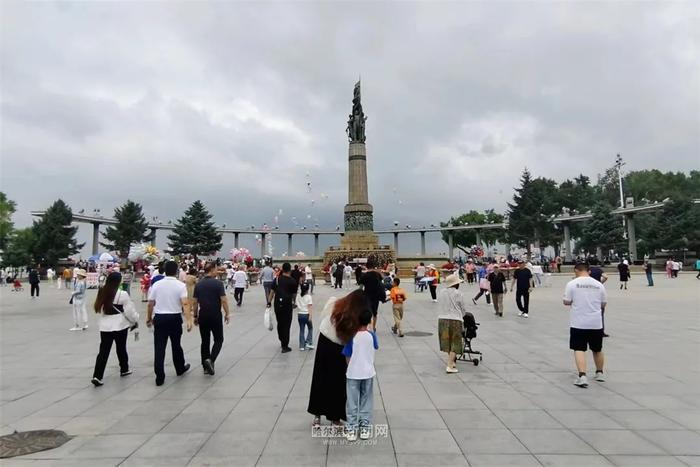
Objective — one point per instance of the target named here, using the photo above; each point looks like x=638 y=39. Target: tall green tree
x=131 y=227
x=194 y=233
x=20 y=249
x=676 y=227
x=603 y=230
x=608 y=187
x=7 y=208
x=54 y=234
x=654 y=185
x=534 y=204
x=465 y=239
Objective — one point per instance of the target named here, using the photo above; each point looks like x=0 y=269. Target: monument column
x=235 y=239
x=153 y=236
x=396 y=243
x=422 y=243
x=316 y=250
x=95 y=237
x=290 y=246
x=358 y=211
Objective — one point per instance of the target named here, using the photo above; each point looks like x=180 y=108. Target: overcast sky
x=235 y=103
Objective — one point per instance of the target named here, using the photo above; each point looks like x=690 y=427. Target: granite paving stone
x=517 y=408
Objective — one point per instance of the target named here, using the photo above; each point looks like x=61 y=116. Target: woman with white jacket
x=118 y=314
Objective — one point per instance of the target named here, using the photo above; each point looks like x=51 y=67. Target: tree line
x=52 y=237
x=538 y=200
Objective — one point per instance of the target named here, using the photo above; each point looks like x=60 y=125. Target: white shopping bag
x=268 y=318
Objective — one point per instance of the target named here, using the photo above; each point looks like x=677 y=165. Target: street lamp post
x=618 y=165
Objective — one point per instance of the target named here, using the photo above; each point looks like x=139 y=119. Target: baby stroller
x=469 y=333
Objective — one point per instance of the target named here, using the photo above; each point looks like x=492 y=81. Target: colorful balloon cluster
x=147 y=253
x=477 y=251
x=241 y=255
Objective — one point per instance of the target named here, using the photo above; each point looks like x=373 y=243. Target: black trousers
x=522 y=299
x=433 y=291
x=34 y=288
x=106 y=339
x=238 y=295
x=283 y=313
x=211 y=324
x=167 y=326
x=482 y=292
x=338 y=282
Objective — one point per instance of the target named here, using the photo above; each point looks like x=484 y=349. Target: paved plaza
x=519 y=407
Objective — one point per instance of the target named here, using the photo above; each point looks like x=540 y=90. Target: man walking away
x=34 y=282
x=240 y=283
x=267 y=277
x=522 y=282
x=497 y=281
x=208 y=299
x=596 y=272
x=167 y=299
x=284 y=290
x=647 y=271
x=338 y=274
x=587 y=298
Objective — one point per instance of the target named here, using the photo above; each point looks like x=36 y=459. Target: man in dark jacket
x=34 y=281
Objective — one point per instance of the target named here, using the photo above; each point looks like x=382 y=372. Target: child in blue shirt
x=359 y=379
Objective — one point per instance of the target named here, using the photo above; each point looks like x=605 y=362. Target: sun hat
x=431 y=266
x=81 y=272
x=452 y=280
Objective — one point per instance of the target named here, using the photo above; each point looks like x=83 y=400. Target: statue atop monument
x=356 y=120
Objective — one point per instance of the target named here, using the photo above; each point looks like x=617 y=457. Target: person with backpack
x=283 y=293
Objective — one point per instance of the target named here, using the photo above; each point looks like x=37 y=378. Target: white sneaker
x=521 y=313
x=450 y=369
x=434 y=301
x=85 y=327
x=310 y=346
x=599 y=377
x=75 y=328
x=351 y=435
x=302 y=348
x=581 y=381
x=525 y=315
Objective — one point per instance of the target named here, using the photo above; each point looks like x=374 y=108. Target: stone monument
x=359 y=240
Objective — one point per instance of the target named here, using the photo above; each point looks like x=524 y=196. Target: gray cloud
x=234 y=103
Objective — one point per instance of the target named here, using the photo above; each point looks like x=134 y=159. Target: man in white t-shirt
x=167 y=298
x=587 y=298
x=240 y=283
x=309 y=278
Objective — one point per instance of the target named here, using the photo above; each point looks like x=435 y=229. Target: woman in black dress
x=340 y=320
x=624 y=270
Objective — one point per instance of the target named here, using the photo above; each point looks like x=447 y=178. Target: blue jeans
x=650 y=279
x=359 y=403
x=304 y=323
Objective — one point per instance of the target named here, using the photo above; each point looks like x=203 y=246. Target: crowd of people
x=195 y=294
